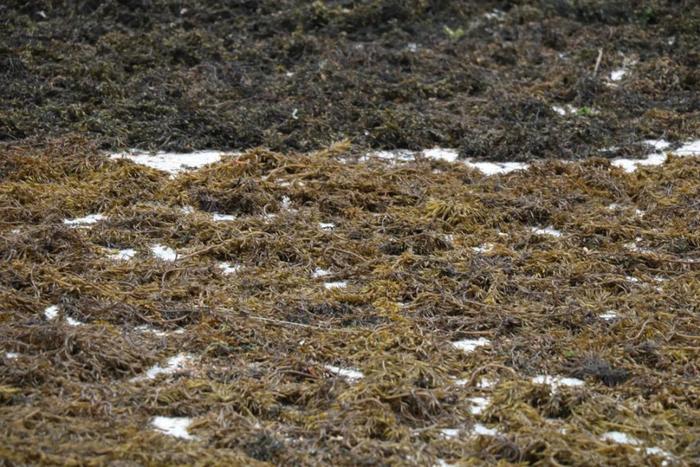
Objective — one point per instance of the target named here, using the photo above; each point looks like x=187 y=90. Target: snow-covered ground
x=172 y=162
x=175 y=163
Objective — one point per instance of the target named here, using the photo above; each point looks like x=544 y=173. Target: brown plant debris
x=369 y=312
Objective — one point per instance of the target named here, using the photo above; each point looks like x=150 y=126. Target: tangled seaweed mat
x=277 y=368
x=499 y=80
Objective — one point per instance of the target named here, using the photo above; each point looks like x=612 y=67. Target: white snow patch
x=557 y=381
x=145 y=328
x=691 y=148
x=396 y=155
x=617 y=75
x=495 y=14
x=228 y=268
x=326 y=225
x=83 y=221
x=216 y=217
x=620 y=438
x=623 y=438
x=494 y=168
x=485 y=248
x=441 y=154
x=318 y=272
x=11 y=355
x=469 y=345
x=484 y=383
x=51 y=312
x=564 y=110
x=73 y=322
x=487 y=168
x=123 y=255
x=658 y=144
x=173 y=426
x=349 y=373
x=655 y=451
x=630 y=165
x=163 y=252
x=402 y=155
x=478 y=429
x=633 y=246
x=479 y=404
x=546 y=231
x=178 y=362
x=286 y=202
x=442 y=463
x=608 y=315
x=335 y=285
x=450 y=432
x=483 y=430
x=172 y=162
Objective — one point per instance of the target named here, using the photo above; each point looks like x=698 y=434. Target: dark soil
x=297 y=75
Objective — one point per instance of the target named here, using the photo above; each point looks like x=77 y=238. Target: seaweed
x=496 y=80
x=352 y=310
x=307 y=300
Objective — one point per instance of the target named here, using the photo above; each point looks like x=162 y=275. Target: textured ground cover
x=331 y=308
x=325 y=302
x=501 y=80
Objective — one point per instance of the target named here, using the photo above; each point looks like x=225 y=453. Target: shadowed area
x=500 y=80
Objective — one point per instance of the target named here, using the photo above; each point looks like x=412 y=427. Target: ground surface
x=497 y=79
x=302 y=309
x=322 y=302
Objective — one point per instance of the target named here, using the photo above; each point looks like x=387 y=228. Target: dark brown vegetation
x=481 y=76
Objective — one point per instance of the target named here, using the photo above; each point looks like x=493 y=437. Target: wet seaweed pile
x=500 y=80
x=325 y=308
